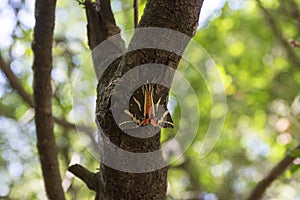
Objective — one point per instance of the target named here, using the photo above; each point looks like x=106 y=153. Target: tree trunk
x=116 y=179
x=177 y=15
x=42 y=66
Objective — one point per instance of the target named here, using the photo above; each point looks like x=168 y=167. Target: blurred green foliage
x=260 y=76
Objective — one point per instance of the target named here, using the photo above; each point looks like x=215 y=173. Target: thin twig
x=262 y=186
x=294 y=43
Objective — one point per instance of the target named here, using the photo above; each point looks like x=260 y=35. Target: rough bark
x=101 y=22
x=135 y=13
x=178 y=15
x=42 y=66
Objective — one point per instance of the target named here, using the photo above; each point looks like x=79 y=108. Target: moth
x=147 y=107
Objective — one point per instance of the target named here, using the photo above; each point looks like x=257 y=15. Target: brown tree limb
x=14 y=82
x=16 y=85
x=295 y=12
x=294 y=43
x=262 y=186
x=101 y=22
x=278 y=34
x=135 y=13
x=94 y=26
x=89 y=178
x=42 y=66
x=177 y=15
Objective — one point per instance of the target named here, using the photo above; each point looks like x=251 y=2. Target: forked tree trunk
x=110 y=183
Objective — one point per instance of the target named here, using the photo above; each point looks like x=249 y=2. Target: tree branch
x=278 y=34
x=295 y=12
x=16 y=85
x=101 y=22
x=294 y=43
x=262 y=186
x=89 y=178
x=42 y=66
x=14 y=82
x=136 y=13
x=178 y=15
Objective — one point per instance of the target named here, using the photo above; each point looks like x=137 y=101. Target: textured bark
x=111 y=184
x=42 y=66
x=89 y=178
x=101 y=22
x=135 y=13
x=178 y=15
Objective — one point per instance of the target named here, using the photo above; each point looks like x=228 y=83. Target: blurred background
x=251 y=43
